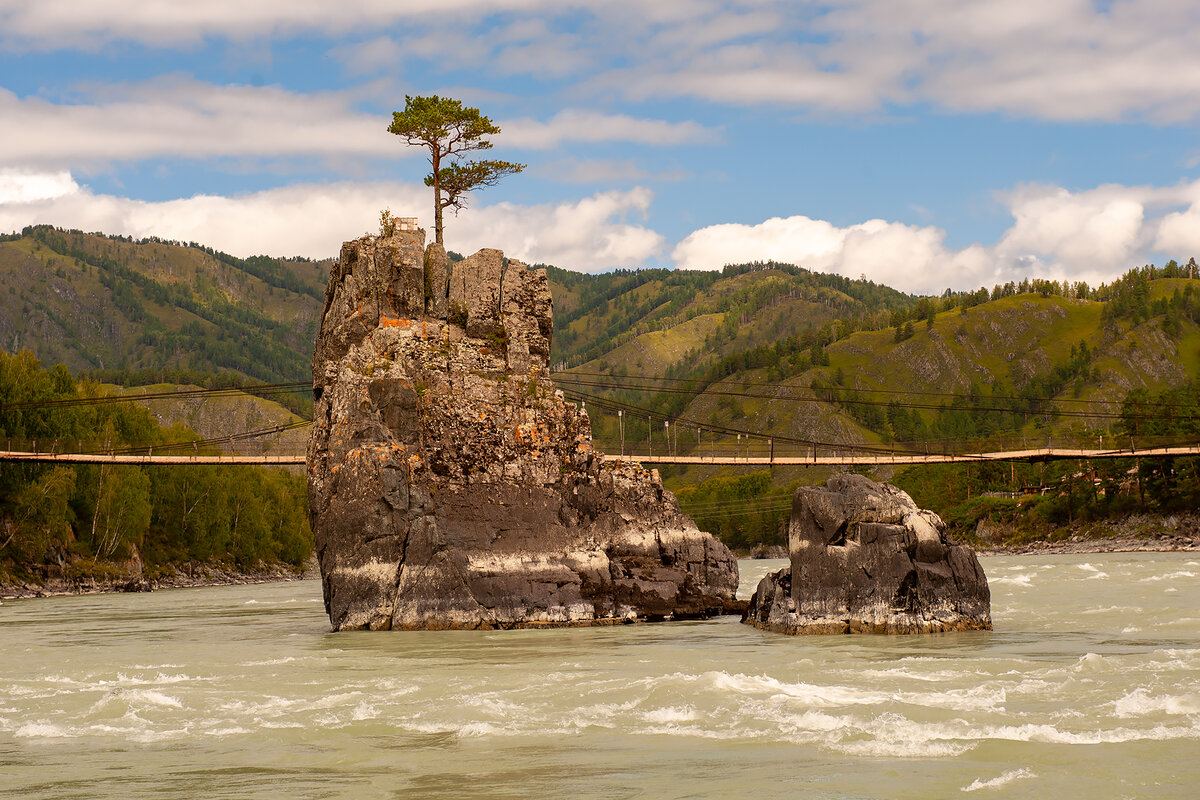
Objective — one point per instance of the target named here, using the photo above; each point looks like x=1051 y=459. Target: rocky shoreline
x=186 y=576
x=1136 y=533
x=209 y=575
x=1164 y=542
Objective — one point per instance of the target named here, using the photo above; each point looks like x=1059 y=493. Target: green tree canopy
x=448 y=130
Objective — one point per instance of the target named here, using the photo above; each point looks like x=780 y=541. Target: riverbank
x=1138 y=533
x=1158 y=543
x=184 y=576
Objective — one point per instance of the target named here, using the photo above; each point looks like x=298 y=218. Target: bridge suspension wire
x=813 y=397
x=707 y=382
x=898 y=453
x=257 y=390
x=213 y=441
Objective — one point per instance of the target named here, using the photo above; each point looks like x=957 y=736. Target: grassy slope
x=213 y=417
x=59 y=306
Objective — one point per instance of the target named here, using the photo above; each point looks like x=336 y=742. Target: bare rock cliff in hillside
x=452 y=486
x=866 y=559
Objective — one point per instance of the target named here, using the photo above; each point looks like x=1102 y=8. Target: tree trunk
x=437 y=198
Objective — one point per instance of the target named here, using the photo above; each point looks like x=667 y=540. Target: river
x=1089 y=687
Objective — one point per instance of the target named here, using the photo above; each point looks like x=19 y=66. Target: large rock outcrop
x=866 y=559
x=452 y=486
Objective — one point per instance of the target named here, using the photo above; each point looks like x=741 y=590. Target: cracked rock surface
x=866 y=559
x=452 y=486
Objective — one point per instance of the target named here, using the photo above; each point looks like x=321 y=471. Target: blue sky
x=925 y=144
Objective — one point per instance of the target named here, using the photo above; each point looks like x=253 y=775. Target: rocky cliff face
x=452 y=486
x=866 y=559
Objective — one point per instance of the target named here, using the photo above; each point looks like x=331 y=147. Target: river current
x=1089 y=687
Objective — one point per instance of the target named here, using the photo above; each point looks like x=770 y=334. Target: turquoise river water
x=1088 y=688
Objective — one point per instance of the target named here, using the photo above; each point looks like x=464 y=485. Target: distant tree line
x=80 y=521
x=223 y=335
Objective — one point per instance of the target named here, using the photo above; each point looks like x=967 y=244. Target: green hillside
x=762 y=350
x=87 y=523
x=769 y=349
x=95 y=302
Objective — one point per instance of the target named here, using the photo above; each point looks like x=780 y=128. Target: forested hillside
x=87 y=521
x=763 y=349
x=97 y=302
x=1018 y=365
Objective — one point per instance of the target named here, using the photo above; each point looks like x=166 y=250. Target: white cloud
x=1100 y=230
x=19 y=186
x=1093 y=235
x=590 y=234
x=601 y=171
x=592 y=126
x=176 y=116
x=1061 y=60
x=167 y=23
x=903 y=256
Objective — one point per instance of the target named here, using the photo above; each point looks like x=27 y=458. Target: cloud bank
x=1092 y=235
x=590 y=234
x=1062 y=60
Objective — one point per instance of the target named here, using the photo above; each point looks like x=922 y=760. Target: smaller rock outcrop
x=866 y=559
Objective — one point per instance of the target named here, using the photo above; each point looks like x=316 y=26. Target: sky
x=924 y=144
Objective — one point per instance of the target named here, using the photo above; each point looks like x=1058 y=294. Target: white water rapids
x=1089 y=687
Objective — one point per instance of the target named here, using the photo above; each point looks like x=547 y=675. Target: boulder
x=866 y=559
x=451 y=485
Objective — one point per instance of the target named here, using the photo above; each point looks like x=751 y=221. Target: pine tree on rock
x=448 y=130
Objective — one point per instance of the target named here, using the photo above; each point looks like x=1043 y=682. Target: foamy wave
x=1092 y=662
x=1015 y=580
x=233 y=730
x=1170 y=576
x=132 y=699
x=1127 y=610
x=932 y=676
x=41 y=730
x=1139 y=702
x=903 y=749
x=810 y=694
x=996 y=783
x=976 y=698
x=364 y=711
x=671 y=714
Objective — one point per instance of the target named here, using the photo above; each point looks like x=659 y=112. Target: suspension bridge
x=720 y=446
x=813 y=459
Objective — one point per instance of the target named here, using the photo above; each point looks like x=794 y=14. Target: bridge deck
x=835 y=459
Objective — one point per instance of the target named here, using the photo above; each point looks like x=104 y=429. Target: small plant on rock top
x=387 y=223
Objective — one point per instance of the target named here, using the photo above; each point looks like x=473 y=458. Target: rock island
x=452 y=486
x=866 y=559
